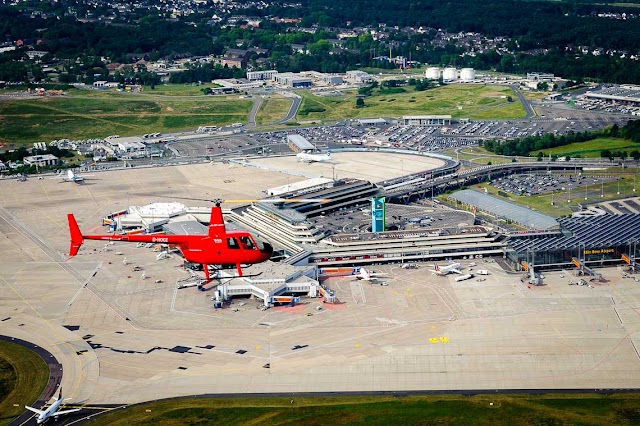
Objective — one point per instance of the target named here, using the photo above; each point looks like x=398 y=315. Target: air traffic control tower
x=378 y=214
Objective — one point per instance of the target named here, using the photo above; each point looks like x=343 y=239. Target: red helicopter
x=217 y=247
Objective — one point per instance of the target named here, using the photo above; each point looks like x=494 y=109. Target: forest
x=538 y=36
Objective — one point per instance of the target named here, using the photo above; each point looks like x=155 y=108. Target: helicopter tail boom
x=76 y=236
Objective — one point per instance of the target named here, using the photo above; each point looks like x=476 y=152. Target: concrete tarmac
x=123 y=339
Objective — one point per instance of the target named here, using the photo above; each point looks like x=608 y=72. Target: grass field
x=592 y=148
x=470 y=101
x=23 y=376
x=91 y=114
x=273 y=109
x=621 y=409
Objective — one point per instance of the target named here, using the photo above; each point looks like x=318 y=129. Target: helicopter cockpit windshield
x=263 y=246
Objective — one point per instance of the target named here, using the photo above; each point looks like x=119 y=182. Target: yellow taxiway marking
x=444 y=339
x=433 y=340
x=357 y=345
x=258 y=347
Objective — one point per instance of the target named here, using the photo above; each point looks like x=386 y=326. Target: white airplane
x=72 y=177
x=52 y=411
x=306 y=157
x=451 y=268
x=365 y=275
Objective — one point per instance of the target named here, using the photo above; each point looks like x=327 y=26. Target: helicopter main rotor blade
x=263 y=200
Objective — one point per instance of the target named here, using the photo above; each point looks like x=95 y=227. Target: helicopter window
x=232 y=243
x=247 y=243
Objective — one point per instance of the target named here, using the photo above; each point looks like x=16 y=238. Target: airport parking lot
x=537 y=183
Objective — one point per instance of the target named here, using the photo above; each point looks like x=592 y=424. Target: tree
x=614 y=131
x=359 y=102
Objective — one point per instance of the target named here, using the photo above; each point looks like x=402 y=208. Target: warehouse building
x=293 y=80
x=426 y=120
x=41 y=160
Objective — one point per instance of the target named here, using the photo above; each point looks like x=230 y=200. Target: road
x=528 y=109
x=297 y=100
x=257 y=102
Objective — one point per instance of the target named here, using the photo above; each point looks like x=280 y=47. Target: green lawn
x=592 y=148
x=273 y=109
x=91 y=114
x=457 y=100
x=23 y=376
x=496 y=409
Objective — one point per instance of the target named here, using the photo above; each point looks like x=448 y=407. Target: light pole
x=602 y=191
x=586 y=188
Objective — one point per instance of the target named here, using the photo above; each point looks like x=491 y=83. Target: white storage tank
x=450 y=74
x=432 y=73
x=467 y=74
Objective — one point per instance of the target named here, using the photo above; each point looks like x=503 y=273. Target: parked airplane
x=52 y=411
x=72 y=177
x=306 y=157
x=365 y=275
x=451 y=268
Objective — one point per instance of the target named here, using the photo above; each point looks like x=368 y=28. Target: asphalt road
x=254 y=111
x=525 y=103
x=297 y=100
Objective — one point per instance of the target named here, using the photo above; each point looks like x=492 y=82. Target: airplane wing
x=35 y=410
x=456 y=271
x=63 y=412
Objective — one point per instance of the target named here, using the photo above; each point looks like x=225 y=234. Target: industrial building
x=628 y=95
x=40 y=160
x=293 y=80
x=358 y=77
x=237 y=84
x=426 y=120
x=298 y=143
x=129 y=147
x=540 y=76
x=261 y=75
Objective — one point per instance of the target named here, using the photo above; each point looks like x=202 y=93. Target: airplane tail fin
x=216 y=222
x=76 y=238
